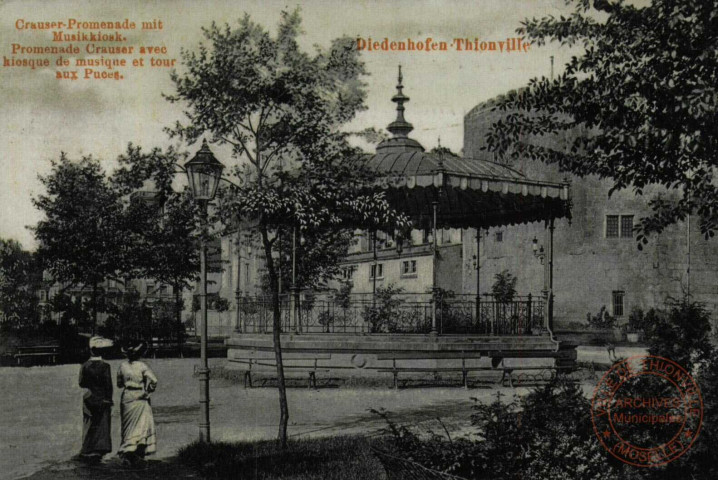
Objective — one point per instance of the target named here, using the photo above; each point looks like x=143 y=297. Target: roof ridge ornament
x=400 y=128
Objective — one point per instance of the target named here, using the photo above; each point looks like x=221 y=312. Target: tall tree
x=281 y=111
x=164 y=224
x=18 y=273
x=318 y=253
x=82 y=238
x=643 y=97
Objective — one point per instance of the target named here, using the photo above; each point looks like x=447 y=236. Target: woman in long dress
x=138 y=425
x=96 y=378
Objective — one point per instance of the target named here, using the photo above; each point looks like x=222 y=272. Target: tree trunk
x=276 y=335
x=94 y=307
x=178 y=313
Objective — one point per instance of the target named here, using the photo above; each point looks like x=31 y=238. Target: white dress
x=138 y=425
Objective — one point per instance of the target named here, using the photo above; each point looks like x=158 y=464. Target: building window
x=408 y=268
x=348 y=272
x=150 y=287
x=617 y=301
x=611 y=226
x=499 y=236
x=43 y=295
x=619 y=226
x=376 y=270
x=626 y=226
x=164 y=290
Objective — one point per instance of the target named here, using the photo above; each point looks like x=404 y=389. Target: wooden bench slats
x=288 y=356
x=312 y=365
x=428 y=355
x=434 y=369
x=49 y=352
x=44 y=348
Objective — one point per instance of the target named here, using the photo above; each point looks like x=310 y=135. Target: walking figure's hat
x=134 y=348
x=100 y=342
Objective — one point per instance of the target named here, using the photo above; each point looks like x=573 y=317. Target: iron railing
x=397 y=313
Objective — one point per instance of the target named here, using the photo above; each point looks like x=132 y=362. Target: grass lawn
x=343 y=457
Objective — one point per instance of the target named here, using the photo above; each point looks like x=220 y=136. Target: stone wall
x=588 y=266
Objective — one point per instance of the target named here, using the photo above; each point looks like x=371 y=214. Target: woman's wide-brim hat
x=134 y=349
x=100 y=342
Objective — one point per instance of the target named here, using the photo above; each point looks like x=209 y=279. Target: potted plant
x=619 y=333
x=605 y=321
x=633 y=336
x=635 y=326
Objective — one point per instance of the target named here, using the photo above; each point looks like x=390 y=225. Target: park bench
x=312 y=365
x=49 y=352
x=165 y=345
x=507 y=373
x=404 y=356
x=497 y=364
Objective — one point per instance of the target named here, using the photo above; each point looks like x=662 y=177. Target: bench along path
x=48 y=353
x=403 y=357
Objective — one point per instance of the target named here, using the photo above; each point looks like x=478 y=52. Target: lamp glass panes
x=203 y=180
x=204 y=172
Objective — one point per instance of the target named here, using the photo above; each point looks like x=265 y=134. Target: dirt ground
x=42 y=414
x=40 y=429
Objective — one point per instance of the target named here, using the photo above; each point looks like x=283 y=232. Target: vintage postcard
x=363 y=239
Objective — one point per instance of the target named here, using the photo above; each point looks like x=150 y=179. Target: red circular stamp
x=647 y=411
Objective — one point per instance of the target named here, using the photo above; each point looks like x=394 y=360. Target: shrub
x=637 y=319
x=221 y=304
x=504 y=287
x=325 y=319
x=440 y=452
x=682 y=333
x=343 y=297
x=382 y=317
x=250 y=306
x=546 y=435
x=699 y=463
x=452 y=317
x=307 y=303
x=602 y=320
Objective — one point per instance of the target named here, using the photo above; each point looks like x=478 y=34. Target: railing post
x=329 y=313
x=238 y=326
x=551 y=228
x=478 y=275
x=294 y=318
x=434 y=254
x=530 y=317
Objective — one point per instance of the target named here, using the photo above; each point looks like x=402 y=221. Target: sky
x=42 y=116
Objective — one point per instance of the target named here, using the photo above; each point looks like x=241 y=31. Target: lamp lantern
x=204 y=172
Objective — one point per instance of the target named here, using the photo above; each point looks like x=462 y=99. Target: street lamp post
x=203 y=172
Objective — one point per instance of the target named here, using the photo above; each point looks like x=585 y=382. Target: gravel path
x=40 y=429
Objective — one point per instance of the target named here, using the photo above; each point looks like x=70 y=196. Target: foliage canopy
x=638 y=106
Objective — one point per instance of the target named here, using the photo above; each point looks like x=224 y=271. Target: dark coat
x=96 y=377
